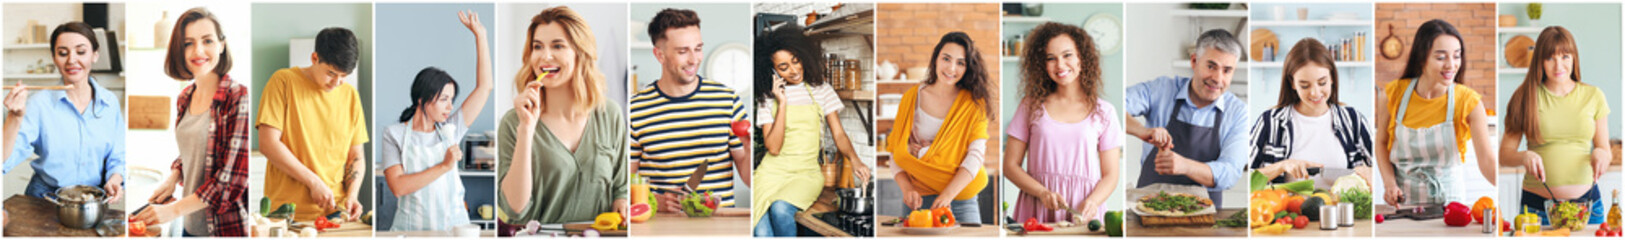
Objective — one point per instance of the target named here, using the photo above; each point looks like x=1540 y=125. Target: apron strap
x=1405 y=103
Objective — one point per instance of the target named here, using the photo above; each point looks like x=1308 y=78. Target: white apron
x=438 y=206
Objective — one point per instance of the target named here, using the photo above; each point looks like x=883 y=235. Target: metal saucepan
x=78 y=206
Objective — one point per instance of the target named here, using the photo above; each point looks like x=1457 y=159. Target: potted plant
x=1534 y=11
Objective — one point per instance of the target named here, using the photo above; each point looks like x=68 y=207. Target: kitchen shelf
x=1313 y=23
x=858 y=21
x=1340 y=64
x=1227 y=13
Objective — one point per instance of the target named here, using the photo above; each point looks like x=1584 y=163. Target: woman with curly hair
x=793 y=110
x=1063 y=131
x=940 y=133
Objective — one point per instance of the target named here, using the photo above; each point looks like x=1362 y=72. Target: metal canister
x=1345 y=214
x=1490 y=225
x=1329 y=217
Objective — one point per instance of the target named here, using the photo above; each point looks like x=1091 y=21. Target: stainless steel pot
x=78 y=206
x=854 y=201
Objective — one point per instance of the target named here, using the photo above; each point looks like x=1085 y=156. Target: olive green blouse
x=570 y=187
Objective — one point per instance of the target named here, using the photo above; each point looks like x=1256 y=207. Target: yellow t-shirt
x=1424 y=113
x=1567 y=123
x=319 y=127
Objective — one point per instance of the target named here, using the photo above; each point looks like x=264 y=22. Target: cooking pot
x=78 y=206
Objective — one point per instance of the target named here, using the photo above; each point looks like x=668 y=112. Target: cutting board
x=1069 y=231
x=42 y=218
x=1157 y=221
x=576 y=229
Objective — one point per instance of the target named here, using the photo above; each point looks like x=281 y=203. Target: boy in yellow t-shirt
x=311 y=129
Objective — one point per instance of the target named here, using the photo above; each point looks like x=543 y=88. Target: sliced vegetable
x=1032 y=225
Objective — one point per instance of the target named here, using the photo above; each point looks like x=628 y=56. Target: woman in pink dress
x=1065 y=133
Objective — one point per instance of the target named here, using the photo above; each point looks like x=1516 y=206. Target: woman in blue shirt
x=78 y=133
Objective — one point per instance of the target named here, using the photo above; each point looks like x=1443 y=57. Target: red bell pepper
x=1032 y=225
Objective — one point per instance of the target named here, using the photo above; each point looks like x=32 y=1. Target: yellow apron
x=794 y=174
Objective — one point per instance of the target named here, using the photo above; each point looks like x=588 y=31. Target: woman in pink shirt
x=1064 y=132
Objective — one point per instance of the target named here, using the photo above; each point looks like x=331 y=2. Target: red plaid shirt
x=225 y=183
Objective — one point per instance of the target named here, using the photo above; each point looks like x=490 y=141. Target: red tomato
x=1300 y=222
x=1602 y=233
x=1379 y=218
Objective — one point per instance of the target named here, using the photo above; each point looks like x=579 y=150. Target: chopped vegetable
x=1032 y=225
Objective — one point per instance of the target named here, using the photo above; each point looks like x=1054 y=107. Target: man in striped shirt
x=682 y=121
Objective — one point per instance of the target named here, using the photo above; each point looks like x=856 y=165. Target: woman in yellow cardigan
x=940 y=137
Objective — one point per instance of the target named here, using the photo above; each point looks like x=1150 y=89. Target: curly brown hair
x=1036 y=86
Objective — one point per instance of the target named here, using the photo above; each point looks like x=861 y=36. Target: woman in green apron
x=1431 y=117
x=792 y=109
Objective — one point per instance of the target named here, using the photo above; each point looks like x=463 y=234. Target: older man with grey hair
x=1195 y=130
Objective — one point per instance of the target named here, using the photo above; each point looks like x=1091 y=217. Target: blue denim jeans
x=964 y=210
x=779 y=221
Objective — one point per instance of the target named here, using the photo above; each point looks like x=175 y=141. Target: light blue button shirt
x=74 y=148
x=1155 y=99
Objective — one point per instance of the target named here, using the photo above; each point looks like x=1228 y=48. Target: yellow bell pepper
x=920 y=218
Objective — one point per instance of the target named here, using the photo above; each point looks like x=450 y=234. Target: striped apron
x=1425 y=158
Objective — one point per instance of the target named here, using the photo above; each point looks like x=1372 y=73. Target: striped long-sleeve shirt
x=672 y=135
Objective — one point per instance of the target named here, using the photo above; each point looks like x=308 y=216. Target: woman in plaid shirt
x=211 y=132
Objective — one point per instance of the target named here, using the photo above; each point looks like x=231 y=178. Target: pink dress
x=1064 y=157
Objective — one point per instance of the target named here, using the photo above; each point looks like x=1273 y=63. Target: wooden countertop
x=1361 y=228
x=986 y=230
x=676 y=224
x=1413 y=228
x=37 y=217
x=1132 y=228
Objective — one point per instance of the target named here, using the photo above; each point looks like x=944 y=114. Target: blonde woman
x=561 y=154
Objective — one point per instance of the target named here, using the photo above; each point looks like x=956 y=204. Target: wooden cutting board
x=1159 y=221
x=576 y=229
x=1069 y=231
x=41 y=219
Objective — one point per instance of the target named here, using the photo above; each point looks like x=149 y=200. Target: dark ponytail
x=425 y=87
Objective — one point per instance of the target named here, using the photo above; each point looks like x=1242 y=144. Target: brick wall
x=1475 y=21
x=906 y=33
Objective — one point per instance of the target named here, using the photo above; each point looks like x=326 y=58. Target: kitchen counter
x=37 y=217
x=1361 y=228
x=1132 y=227
x=677 y=224
x=488 y=233
x=986 y=230
x=349 y=229
x=1412 y=228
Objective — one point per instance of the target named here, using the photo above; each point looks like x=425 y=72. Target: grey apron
x=1192 y=141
